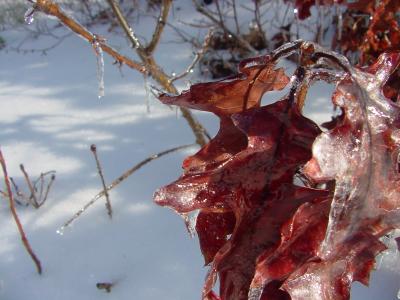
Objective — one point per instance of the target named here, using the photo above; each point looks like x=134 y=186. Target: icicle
x=100 y=65
x=29 y=16
x=190 y=222
x=147 y=90
x=296 y=20
x=339 y=15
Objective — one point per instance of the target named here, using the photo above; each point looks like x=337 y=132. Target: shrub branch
x=10 y=197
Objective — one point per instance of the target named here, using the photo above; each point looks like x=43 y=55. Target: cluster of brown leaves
x=264 y=235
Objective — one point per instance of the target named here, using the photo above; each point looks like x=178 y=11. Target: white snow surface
x=50 y=114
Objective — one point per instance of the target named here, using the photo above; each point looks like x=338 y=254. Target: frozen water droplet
x=29 y=16
x=100 y=67
x=190 y=222
x=191 y=71
x=173 y=74
x=296 y=12
x=61 y=231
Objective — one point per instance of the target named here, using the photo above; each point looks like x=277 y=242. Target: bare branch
x=199 y=54
x=10 y=197
x=32 y=198
x=52 y=178
x=121 y=178
x=157 y=73
x=126 y=27
x=166 y=5
x=235 y=17
x=257 y=18
x=242 y=42
x=150 y=66
x=50 y=8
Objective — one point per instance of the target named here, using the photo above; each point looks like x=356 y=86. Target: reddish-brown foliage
x=263 y=234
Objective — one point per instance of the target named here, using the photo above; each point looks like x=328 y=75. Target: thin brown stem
x=220 y=17
x=257 y=17
x=32 y=198
x=199 y=54
x=149 y=65
x=235 y=16
x=242 y=42
x=157 y=73
x=162 y=21
x=24 y=239
x=121 y=178
x=93 y=148
x=46 y=194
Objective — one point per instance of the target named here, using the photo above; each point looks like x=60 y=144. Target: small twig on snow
x=121 y=178
x=100 y=171
x=24 y=239
x=32 y=198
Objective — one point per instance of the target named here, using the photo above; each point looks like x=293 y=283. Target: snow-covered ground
x=49 y=116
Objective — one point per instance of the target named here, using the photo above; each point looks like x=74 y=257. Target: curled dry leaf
x=264 y=235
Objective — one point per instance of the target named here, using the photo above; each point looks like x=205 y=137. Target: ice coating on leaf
x=358 y=149
x=213 y=230
x=360 y=154
x=265 y=237
x=300 y=240
x=235 y=93
x=249 y=179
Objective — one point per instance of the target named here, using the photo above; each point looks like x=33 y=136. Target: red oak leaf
x=264 y=236
x=246 y=171
x=361 y=155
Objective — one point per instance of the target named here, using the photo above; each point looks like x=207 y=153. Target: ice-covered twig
x=199 y=54
x=242 y=42
x=50 y=8
x=10 y=197
x=121 y=178
x=93 y=148
x=156 y=72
